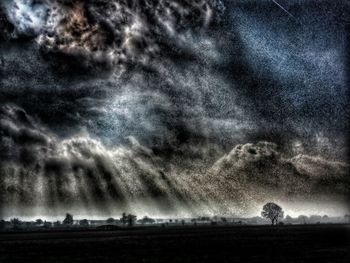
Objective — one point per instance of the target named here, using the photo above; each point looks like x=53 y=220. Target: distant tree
x=84 y=222
x=68 y=220
x=39 y=222
x=131 y=219
x=15 y=223
x=110 y=220
x=273 y=212
x=303 y=219
x=146 y=220
x=124 y=219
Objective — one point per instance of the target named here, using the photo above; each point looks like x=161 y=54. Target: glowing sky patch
x=29 y=16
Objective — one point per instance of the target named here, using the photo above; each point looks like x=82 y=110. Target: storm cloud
x=39 y=169
x=170 y=107
x=110 y=33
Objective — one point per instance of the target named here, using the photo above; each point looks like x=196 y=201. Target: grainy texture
x=173 y=108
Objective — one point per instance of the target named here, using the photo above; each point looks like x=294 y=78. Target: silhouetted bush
x=68 y=221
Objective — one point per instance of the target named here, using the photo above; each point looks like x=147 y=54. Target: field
x=304 y=243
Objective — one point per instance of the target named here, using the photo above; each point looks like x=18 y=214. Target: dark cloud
x=21 y=141
x=6 y=27
x=81 y=171
x=266 y=171
x=110 y=33
x=116 y=105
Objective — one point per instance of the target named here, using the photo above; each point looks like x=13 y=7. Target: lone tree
x=273 y=212
x=68 y=220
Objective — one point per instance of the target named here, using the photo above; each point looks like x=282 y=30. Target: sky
x=173 y=107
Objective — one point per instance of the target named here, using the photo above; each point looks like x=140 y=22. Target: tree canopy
x=273 y=212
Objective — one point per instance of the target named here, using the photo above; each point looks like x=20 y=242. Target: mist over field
x=173 y=107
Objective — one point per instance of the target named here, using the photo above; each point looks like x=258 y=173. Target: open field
x=303 y=243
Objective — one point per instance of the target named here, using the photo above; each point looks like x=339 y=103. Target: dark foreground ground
x=318 y=243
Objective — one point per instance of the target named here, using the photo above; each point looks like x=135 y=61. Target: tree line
x=270 y=211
